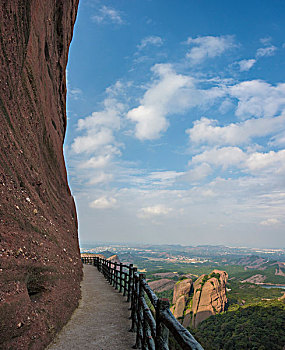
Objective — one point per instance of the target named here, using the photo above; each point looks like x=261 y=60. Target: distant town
x=182 y=254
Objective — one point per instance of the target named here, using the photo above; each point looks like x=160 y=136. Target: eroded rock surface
x=161 y=285
x=181 y=295
x=114 y=259
x=40 y=267
x=182 y=288
x=194 y=302
x=209 y=296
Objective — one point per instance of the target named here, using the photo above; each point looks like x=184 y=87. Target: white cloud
x=93 y=141
x=278 y=140
x=226 y=106
x=266 y=51
x=99 y=129
x=255 y=163
x=103 y=203
x=199 y=172
x=170 y=93
x=75 y=93
x=150 y=40
x=156 y=210
x=257 y=98
x=245 y=65
x=157 y=102
x=164 y=178
x=100 y=178
x=108 y=15
x=225 y=157
x=207 y=131
x=270 y=222
x=108 y=117
x=208 y=46
x=96 y=162
x=270 y=161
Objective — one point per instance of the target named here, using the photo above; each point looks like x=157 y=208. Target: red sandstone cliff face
x=40 y=267
x=209 y=296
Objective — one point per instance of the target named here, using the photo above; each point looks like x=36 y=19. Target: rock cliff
x=209 y=296
x=181 y=299
x=40 y=267
x=194 y=302
x=114 y=259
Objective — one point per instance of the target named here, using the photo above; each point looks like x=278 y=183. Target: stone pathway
x=101 y=320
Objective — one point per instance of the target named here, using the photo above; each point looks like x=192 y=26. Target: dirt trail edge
x=101 y=320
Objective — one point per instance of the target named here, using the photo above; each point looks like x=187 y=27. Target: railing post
x=111 y=272
x=134 y=301
x=104 y=268
x=161 y=339
x=108 y=271
x=139 y=337
x=115 y=275
x=121 y=279
x=142 y=314
x=130 y=281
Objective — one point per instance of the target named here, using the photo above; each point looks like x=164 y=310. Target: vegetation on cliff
x=255 y=326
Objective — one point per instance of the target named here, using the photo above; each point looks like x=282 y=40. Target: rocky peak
x=114 y=259
x=209 y=296
x=194 y=302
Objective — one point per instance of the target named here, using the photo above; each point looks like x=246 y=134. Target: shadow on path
x=101 y=320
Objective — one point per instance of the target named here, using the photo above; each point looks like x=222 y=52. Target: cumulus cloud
x=92 y=141
x=108 y=15
x=208 y=47
x=208 y=131
x=271 y=160
x=99 y=129
x=103 y=203
x=157 y=102
x=151 y=40
x=245 y=65
x=258 y=98
x=96 y=162
x=254 y=163
x=156 y=210
x=170 y=93
x=225 y=157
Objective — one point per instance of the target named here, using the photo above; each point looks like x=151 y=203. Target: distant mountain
x=106 y=253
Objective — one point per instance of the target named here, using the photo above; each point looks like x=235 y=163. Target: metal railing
x=151 y=326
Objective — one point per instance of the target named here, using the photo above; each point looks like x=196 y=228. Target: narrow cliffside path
x=101 y=320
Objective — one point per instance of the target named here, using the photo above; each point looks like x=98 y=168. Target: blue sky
x=176 y=121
